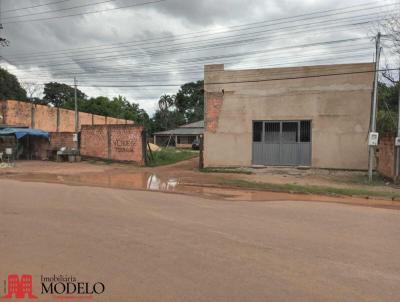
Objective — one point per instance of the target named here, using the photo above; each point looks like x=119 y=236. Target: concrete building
x=181 y=137
x=314 y=116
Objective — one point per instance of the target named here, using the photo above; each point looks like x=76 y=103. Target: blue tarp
x=21 y=132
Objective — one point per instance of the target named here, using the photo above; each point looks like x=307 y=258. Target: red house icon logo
x=19 y=288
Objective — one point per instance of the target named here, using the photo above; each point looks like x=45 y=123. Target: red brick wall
x=17 y=113
x=126 y=143
x=45 y=117
x=386 y=156
x=61 y=139
x=116 y=142
x=94 y=141
x=98 y=120
x=67 y=121
x=213 y=108
x=85 y=118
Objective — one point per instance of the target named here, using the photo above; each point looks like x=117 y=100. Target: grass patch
x=99 y=161
x=377 y=180
x=225 y=170
x=167 y=156
x=308 y=189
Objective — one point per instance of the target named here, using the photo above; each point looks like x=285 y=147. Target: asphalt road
x=147 y=246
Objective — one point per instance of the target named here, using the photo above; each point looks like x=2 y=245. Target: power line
x=86 y=13
x=195 y=61
x=60 y=9
x=208 y=33
x=287 y=59
x=124 y=65
x=250 y=37
x=248 y=81
x=119 y=56
x=190 y=60
x=145 y=74
x=35 y=6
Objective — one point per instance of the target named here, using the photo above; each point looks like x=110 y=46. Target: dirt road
x=148 y=246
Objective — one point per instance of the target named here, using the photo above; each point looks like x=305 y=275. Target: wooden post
x=144 y=148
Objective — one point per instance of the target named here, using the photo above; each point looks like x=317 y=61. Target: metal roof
x=195 y=128
x=182 y=131
x=21 y=132
x=198 y=124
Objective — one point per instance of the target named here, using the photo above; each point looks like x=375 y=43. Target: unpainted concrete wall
x=49 y=118
x=338 y=106
x=115 y=142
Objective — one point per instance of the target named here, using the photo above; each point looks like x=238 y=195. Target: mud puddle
x=186 y=185
x=134 y=181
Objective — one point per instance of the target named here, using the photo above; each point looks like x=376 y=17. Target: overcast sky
x=146 y=43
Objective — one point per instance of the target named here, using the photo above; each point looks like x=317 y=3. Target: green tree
x=186 y=106
x=166 y=102
x=388 y=96
x=387 y=107
x=98 y=105
x=61 y=95
x=166 y=120
x=118 y=107
x=122 y=108
x=10 y=88
x=190 y=101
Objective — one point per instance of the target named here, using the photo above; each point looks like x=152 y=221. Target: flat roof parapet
x=214 y=67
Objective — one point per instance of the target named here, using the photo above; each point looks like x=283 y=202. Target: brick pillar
x=109 y=143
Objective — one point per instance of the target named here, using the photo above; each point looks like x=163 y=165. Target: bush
x=386 y=122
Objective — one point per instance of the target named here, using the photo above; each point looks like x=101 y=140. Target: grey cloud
x=168 y=19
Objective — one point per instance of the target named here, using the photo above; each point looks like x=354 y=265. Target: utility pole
x=398 y=133
x=373 y=133
x=76 y=115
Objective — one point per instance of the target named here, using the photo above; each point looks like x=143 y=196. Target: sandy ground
x=150 y=246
